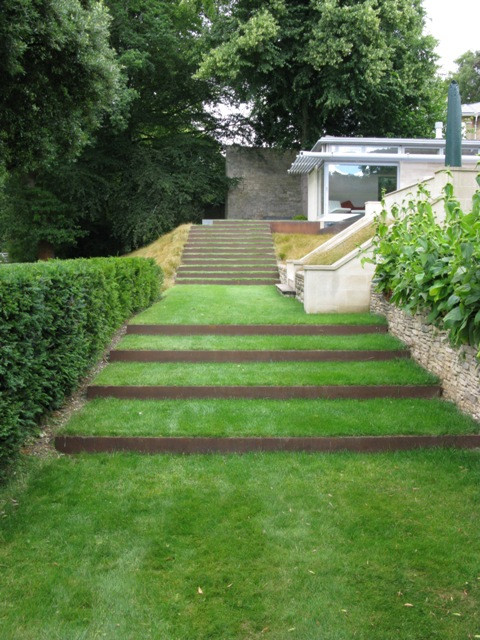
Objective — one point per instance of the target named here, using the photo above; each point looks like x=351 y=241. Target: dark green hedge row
x=56 y=318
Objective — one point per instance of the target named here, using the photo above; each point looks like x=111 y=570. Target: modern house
x=346 y=173
x=471 y=120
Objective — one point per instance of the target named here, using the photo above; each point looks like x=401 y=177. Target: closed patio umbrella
x=453 y=152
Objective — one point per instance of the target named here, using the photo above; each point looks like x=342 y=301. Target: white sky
x=455 y=24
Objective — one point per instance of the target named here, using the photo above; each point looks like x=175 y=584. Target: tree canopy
x=162 y=167
x=468 y=76
x=60 y=77
x=342 y=67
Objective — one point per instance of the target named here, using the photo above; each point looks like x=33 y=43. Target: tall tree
x=468 y=76
x=59 y=78
x=163 y=167
x=342 y=67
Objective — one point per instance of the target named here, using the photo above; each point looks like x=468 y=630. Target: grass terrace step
x=400 y=371
x=230 y=418
x=228 y=269
x=226 y=273
x=255 y=305
x=374 y=341
x=240 y=261
x=224 y=281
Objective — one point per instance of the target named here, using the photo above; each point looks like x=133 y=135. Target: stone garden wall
x=457 y=368
x=265 y=191
x=300 y=285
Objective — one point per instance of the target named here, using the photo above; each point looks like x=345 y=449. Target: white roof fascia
x=393 y=142
x=306 y=161
x=471 y=109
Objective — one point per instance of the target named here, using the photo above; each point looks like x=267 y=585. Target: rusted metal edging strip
x=356 y=392
x=201 y=445
x=255 y=330
x=131 y=355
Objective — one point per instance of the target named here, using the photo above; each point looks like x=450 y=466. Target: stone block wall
x=457 y=367
x=282 y=271
x=265 y=190
x=300 y=285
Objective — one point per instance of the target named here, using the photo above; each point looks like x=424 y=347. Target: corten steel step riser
x=311 y=355
x=245 y=283
x=273 y=392
x=254 y=329
x=202 y=445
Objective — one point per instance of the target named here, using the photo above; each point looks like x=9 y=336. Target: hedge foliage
x=432 y=266
x=56 y=318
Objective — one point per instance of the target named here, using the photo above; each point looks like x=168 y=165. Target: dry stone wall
x=457 y=368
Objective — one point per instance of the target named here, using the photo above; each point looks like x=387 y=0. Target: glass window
x=423 y=151
x=381 y=149
x=350 y=186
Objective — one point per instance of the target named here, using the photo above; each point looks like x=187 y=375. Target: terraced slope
x=229 y=252
x=179 y=382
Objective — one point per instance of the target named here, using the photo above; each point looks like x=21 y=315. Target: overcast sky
x=455 y=24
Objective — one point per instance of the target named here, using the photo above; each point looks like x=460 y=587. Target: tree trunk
x=45 y=250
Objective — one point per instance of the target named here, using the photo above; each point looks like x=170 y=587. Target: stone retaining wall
x=457 y=368
x=282 y=271
x=300 y=285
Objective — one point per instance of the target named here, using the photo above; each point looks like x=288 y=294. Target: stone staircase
x=229 y=252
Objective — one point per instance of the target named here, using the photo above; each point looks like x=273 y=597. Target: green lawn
x=109 y=416
x=226 y=304
x=399 y=371
x=179 y=343
x=287 y=547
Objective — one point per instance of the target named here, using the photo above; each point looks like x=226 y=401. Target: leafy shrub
x=300 y=216
x=426 y=265
x=56 y=318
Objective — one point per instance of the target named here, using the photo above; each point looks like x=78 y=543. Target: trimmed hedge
x=56 y=318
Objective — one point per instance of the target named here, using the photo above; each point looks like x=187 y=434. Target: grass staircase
x=229 y=252
x=229 y=368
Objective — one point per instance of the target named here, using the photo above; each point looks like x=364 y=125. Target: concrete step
x=286 y=290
